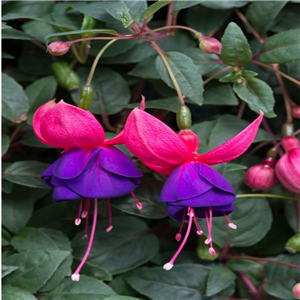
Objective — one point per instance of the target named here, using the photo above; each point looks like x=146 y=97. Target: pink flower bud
x=288 y=170
x=261 y=177
x=210 y=45
x=58 y=48
x=289 y=143
x=296 y=290
x=296 y=112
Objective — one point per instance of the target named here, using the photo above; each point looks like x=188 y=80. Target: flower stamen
x=231 y=225
x=76 y=275
x=209 y=224
x=168 y=266
x=110 y=227
x=178 y=235
x=78 y=220
x=139 y=205
x=87 y=208
x=199 y=232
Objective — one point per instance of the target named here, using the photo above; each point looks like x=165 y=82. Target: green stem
x=267 y=196
x=76 y=54
x=93 y=68
x=176 y=86
x=172 y=27
x=15 y=132
x=216 y=74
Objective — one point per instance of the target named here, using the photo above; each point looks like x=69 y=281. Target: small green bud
x=86 y=97
x=66 y=77
x=239 y=81
x=272 y=153
x=287 y=129
x=293 y=244
x=184 y=117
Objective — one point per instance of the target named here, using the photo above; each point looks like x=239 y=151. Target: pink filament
x=209 y=225
x=91 y=239
x=178 y=235
x=87 y=208
x=199 y=232
x=139 y=205
x=80 y=208
x=191 y=215
x=110 y=227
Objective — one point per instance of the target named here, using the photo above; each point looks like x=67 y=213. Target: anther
x=77 y=221
x=168 y=266
x=109 y=228
x=231 y=225
x=75 y=277
x=84 y=214
x=212 y=251
x=178 y=237
x=139 y=205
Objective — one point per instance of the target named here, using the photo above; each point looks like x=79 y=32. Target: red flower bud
x=58 y=48
x=296 y=112
x=296 y=290
x=210 y=45
x=261 y=177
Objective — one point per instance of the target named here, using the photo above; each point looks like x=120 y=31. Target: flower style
x=193 y=189
x=90 y=167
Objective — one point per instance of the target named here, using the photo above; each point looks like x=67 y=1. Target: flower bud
x=288 y=170
x=58 y=48
x=287 y=129
x=261 y=177
x=184 y=117
x=66 y=77
x=293 y=244
x=210 y=45
x=296 y=112
x=190 y=139
x=289 y=143
x=296 y=290
x=86 y=97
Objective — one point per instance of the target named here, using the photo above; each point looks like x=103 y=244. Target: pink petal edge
x=117 y=140
x=154 y=142
x=234 y=147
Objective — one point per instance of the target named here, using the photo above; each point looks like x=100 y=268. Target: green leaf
x=79 y=32
x=219 y=279
x=182 y=282
x=229 y=77
x=14 y=34
x=287 y=18
x=250 y=229
x=248 y=73
x=38 y=29
x=13 y=293
x=26 y=173
x=5 y=143
x=7 y=55
x=138 y=246
x=261 y=15
x=235 y=48
x=7 y=270
x=121 y=298
x=107 y=98
x=281 y=279
x=40 y=92
x=153 y=8
x=36 y=267
x=186 y=74
x=206 y=20
x=224 y=4
x=281 y=48
x=146 y=68
x=14 y=100
x=219 y=94
x=147 y=192
x=178 y=5
x=5 y=26
x=242 y=265
x=86 y=288
x=257 y=94
x=17 y=208
x=29 y=138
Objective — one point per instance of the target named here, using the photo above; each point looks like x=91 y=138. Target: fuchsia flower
x=193 y=189
x=288 y=166
x=90 y=166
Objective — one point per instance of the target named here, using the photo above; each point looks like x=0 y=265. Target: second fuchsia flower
x=90 y=166
x=193 y=189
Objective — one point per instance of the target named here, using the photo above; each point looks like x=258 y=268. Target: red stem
x=249 y=284
x=169 y=14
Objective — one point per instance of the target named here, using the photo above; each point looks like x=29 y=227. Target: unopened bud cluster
x=209 y=45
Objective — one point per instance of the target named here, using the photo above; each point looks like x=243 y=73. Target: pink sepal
x=66 y=126
x=234 y=147
x=166 y=170
x=117 y=140
x=154 y=142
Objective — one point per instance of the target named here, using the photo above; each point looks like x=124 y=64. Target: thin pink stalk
x=169 y=14
x=207 y=241
x=87 y=209
x=139 y=205
x=178 y=235
x=76 y=276
x=78 y=220
x=241 y=110
x=199 y=232
x=168 y=266
x=110 y=227
x=250 y=286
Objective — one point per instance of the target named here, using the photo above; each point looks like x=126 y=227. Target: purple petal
x=216 y=210
x=57 y=181
x=115 y=161
x=215 y=178
x=73 y=162
x=62 y=193
x=176 y=212
x=184 y=183
x=47 y=175
x=95 y=182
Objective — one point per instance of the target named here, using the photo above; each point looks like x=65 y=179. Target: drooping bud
x=66 y=77
x=293 y=244
x=184 y=117
x=58 y=48
x=289 y=143
x=210 y=45
x=261 y=177
x=86 y=97
x=296 y=290
x=296 y=112
x=190 y=139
